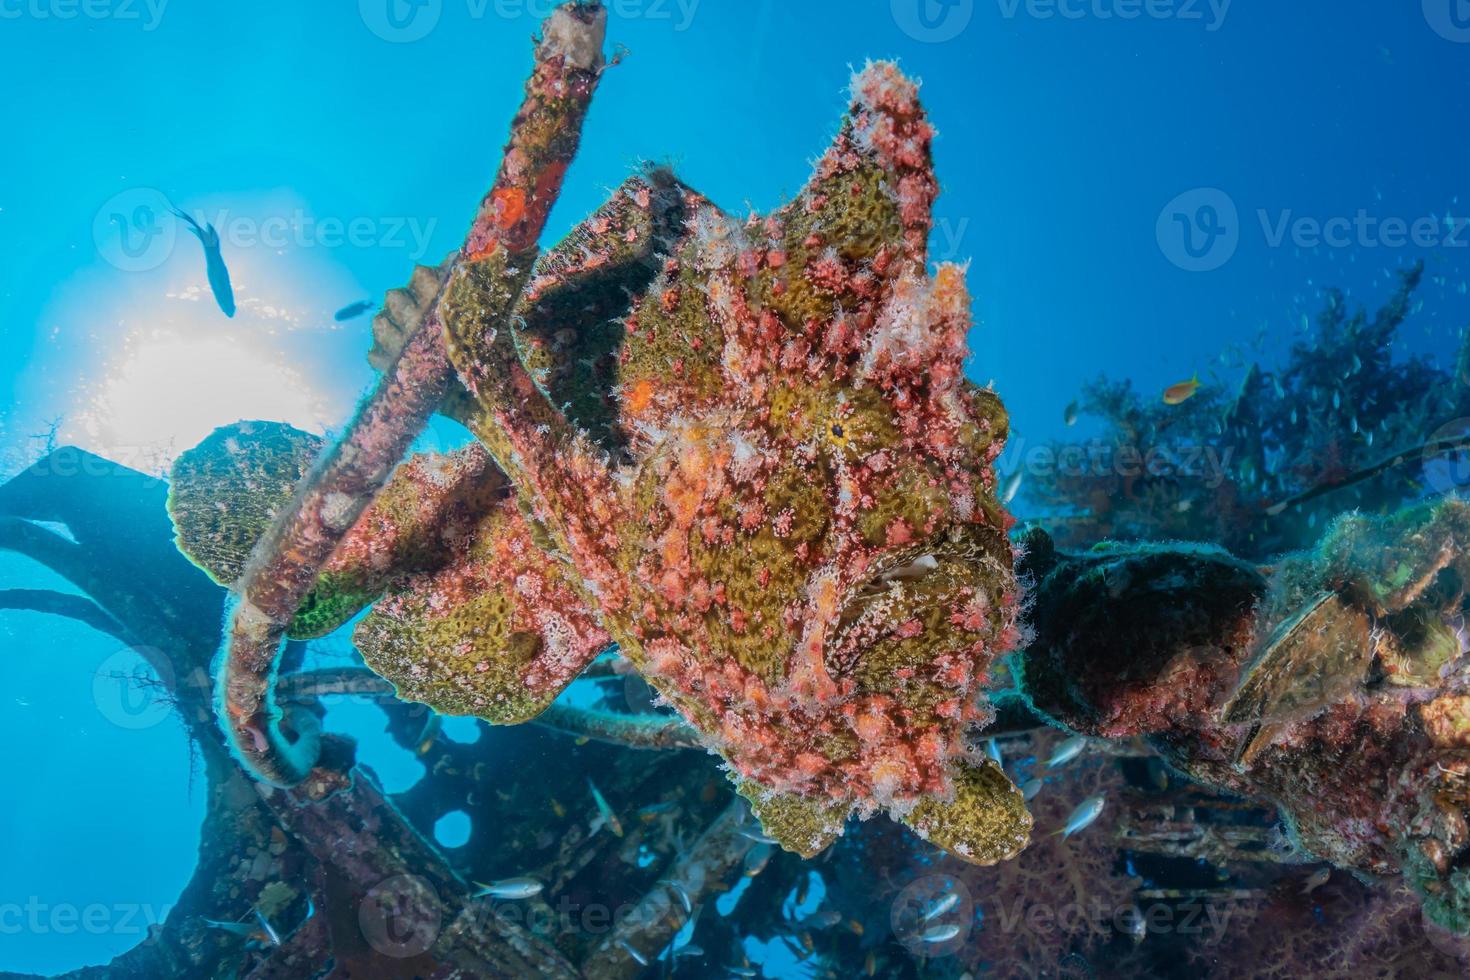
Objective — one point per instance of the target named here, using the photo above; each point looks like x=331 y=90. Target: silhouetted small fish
x=214 y=262
x=1067 y=751
x=522 y=887
x=1182 y=392
x=1070 y=415
x=353 y=310
x=1087 y=811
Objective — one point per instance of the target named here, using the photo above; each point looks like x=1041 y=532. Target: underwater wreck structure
x=742 y=454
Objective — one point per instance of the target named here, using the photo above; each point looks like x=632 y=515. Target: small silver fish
x=1087 y=811
x=939 y=934
x=1012 y=485
x=1318 y=879
x=605 y=812
x=433 y=725
x=940 y=907
x=683 y=895
x=638 y=957
x=825 y=919
x=743 y=971
x=757 y=858
x=756 y=835
x=1067 y=751
x=261 y=931
x=522 y=887
x=1030 y=788
x=1137 y=926
x=688 y=949
x=992 y=749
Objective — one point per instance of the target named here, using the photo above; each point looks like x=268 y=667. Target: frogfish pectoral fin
x=497 y=633
x=985 y=822
x=802 y=825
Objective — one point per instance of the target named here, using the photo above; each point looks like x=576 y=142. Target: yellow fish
x=1182 y=392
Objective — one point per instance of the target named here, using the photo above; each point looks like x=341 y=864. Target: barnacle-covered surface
x=225 y=491
x=1334 y=687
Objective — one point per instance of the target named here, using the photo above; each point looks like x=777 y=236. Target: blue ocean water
x=1136 y=187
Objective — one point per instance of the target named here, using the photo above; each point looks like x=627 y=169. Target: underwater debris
x=772 y=489
x=1333 y=685
x=286 y=562
x=1263 y=465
